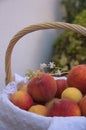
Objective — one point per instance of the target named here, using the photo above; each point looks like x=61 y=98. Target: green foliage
x=81 y=18
x=73 y=7
x=70 y=48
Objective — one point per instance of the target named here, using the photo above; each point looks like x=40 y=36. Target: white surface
x=37 y=47
x=13 y=118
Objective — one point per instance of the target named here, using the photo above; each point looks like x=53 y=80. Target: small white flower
x=43 y=65
x=52 y=65
x=59 y=72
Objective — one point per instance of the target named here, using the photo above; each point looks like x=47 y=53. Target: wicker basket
x=13 y=118
x=32 y=28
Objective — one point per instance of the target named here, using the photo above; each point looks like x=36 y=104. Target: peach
x=20 y=84
x=42 y=87
x=82 y=105
x=64 y=107
x=72 y=93
x=39 y=109
x=22 y=99
x=61 y=86
x=49 y=103
x=23 y=88
x=77 y=77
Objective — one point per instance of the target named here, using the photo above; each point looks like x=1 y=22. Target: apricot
x=22 y=100
x=72 y=93
x=39 y=109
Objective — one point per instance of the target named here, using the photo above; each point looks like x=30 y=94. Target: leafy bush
x=70 y=48
x=73 y=7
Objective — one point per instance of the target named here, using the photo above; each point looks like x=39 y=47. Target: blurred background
x=34 y=48
x=65 y=48
x=70 y=48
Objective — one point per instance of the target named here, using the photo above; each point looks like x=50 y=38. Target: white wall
x=34 y=48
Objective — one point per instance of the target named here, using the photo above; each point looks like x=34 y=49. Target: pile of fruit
x=47 y=96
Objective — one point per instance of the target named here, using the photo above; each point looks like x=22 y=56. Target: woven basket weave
x=32 y=28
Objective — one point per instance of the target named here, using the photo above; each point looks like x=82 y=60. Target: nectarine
x=77 y=77
x=42 y=87
x=83 y=105
x=61 y=85
x=64 y=107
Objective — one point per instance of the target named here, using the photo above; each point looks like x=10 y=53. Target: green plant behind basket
x=73 y=7
x=70 y=48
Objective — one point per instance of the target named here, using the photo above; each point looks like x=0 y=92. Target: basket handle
x=32 y=28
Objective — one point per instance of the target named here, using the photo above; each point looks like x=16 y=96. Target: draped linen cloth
x=14 y=118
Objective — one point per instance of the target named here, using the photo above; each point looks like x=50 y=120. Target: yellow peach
x=39 y=109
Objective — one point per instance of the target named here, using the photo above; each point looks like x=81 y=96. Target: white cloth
x=13 y=118
x=68 y=123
